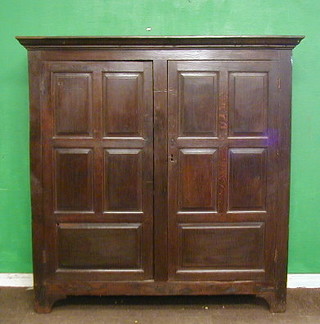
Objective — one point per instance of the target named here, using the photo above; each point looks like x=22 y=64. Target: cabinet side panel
x=38 y=234
x=283 y=171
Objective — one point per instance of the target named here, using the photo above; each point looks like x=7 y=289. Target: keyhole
x=171 y=158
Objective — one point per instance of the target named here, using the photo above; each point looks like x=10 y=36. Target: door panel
x=247 y=179
x=98 y=157
x=72 y=103
x=197 y=179
x=123 y=180
x=73 y=179
x=198 y=100
x=221 y=246
x=221 y=185
x=248 y=101
x=100 y=246
x=222 y=143
x=123 y=103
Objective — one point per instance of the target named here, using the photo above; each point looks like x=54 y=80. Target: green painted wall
x=165 y=17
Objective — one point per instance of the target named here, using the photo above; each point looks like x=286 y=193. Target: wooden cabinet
x=160 y=165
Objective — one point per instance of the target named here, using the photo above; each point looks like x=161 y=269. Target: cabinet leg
x=276 y=301
x=43 y=301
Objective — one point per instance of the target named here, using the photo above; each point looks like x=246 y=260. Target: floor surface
x=303 y=306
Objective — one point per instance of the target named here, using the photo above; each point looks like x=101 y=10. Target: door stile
x=160 y=82
x=222 y=199
x=97 y=149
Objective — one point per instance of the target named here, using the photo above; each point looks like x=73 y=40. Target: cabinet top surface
x=274 y=41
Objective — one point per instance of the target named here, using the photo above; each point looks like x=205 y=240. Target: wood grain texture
x=247 y=179
x=123 y=180
x=196 y=173
x=111 y=246
x=198 y=102
x=160 y=165
x=73 y=179
x=122 y=104
x=72 y=103
x=248 y=103
x=160 y=186
x=104 y=177
x=36 y=149
x=212 y=247
x=245 y=182
x=162 y=41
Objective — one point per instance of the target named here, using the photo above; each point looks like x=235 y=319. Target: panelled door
x=98 y=160
x=222 y=143
x=222 y=170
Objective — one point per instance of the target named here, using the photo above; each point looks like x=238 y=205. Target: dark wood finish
x=162 y=41
x=122 y=104
x=197 y=172
x=72 y=103
x=123 y=180
x=160 y=186
x=247 y=165
x=198 y=103
x=102 y=175
x=97 y=246
x=221 y=246
x=160 y=165
x=277 y=301
x=203 y=192
x=73 y=179
x=248 y=93
x=43 y=301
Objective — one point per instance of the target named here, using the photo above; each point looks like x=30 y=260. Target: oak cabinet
x=160 y=165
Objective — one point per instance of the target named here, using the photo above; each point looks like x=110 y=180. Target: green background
x=165 y=17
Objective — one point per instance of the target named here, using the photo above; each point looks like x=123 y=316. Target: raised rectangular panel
x=122 y=103
x=97 y=246
x=123 y=180
x=197 y=179
x=248 y=93
x=247 y=179
x=72 y=103
x=198 y=103
x=221 y=246
x=73 y=179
